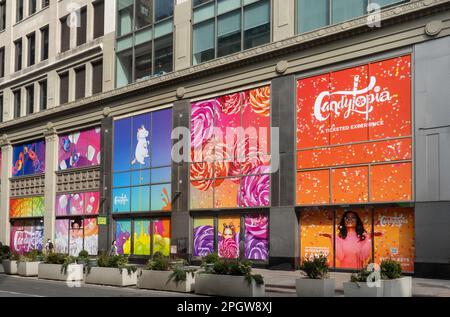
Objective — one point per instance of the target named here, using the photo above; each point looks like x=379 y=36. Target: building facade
x=270 y=130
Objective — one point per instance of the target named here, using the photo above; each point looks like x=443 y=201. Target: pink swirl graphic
x=228 y=248
x=231 y=104
x=255 y=189
x=202 y=120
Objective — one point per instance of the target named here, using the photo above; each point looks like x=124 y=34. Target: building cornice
x=398 y=14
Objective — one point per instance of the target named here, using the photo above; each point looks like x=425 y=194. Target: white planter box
x=158 y=280
x=361 y=289
x=315 y=288
x=10 y=267
x=28 y=268
x=227 y=285
x=110 y=276
x=53 y=272
x=401 y=287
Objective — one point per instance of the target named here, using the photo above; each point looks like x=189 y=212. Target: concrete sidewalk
x=284 y=282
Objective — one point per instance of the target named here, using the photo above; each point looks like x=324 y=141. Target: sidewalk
x=284 y=282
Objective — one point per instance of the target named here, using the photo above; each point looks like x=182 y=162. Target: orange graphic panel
x=349 y=109
x=310 y=131
x=226 y=193
x=350 y=185
x=316 y=232
x=391 y=98
x=391 y=182
x=313 y=187
x=394 y=236
x=201 y=199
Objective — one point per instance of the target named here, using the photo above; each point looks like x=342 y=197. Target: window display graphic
x=27 y=235
x=358 y=116
x=203 y=241
x=230 y=151
x=28 y=207
x=228 y=237
x=146 y=235
x=142 y=163
x=350 y=243
x=257 y=237
x=76 y=234
x=79 y=149
x=77 y=204
x=28 y=159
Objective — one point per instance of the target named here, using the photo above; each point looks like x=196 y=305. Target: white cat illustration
x=141 y=152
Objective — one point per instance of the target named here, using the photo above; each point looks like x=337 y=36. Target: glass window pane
x=122 y=145
x=163 y=28
x=121 y=200
x=123 y=236
x=227 y=5
x=161 y=175
x=140 y=177
x=163 y=55
x=229 y=33
x=161 y=197
x=141 y=241
x=312 y=14
x=143 y=61
x=161 y=141
x=203 y=13
x=143 y=36
x=125 y=18
x=140 y=198
x=199 y=2
x=124 y=43
x=384 y=3
x=144 y=13
x=203 y=41
x=348 y=9
x=124 y=68
x=163 y=9
x=257 y=24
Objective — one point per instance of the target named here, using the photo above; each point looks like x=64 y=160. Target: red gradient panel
x=310 y=131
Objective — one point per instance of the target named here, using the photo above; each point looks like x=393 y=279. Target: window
x=99 y=18
x=2 y=14
x=314 y=14
x=63 y=88
x=80 y=81
x=28 y=159
x=31 y=38
x=145 y=40
x=224 y=27
x=43 y=95
x=2 y=62
x=32 y=6
x=81 y=29
x=18 y=55
x=45 y=3
x=65 y=34
x=44 y=43
x=17 y=102
x=97 y=77
x=1 y=108
x=19 y=10
x=30 y=99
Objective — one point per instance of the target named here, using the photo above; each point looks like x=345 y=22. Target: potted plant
x=163 y=274
x=394 y=284
x=365 y=283
x=29 y=263
x=227 y=277
x=317 y=282
x=112 y=270
x=83 y=258
x=4 y=252
x=10 y=263
x=60 y=267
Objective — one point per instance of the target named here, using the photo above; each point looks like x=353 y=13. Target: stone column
x=182 y=32
x=6 y=173
x=283 y=19
x=51 y=165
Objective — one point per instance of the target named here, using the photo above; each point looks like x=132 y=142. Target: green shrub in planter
x=159 y=262
x=32 y=256
x=117 y=261
x=13 y=256
x=4 y=252
x=316 y=268
x=390 y=270
x=361 y=277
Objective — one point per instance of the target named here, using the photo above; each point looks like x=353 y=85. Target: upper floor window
x=19 y=10
x=65 y=34
x=145 y=39
x=82 y=27
x=2 y=14
x=18 y=55
x=1 y=108
x=44 y=43
x=45 y=3
x=31 y=38
x=32 y=7
x=99 y=18
x=223 y=27
x=2 y=62
x=314 y=14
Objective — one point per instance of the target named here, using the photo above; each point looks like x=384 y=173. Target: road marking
x=20 y=294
